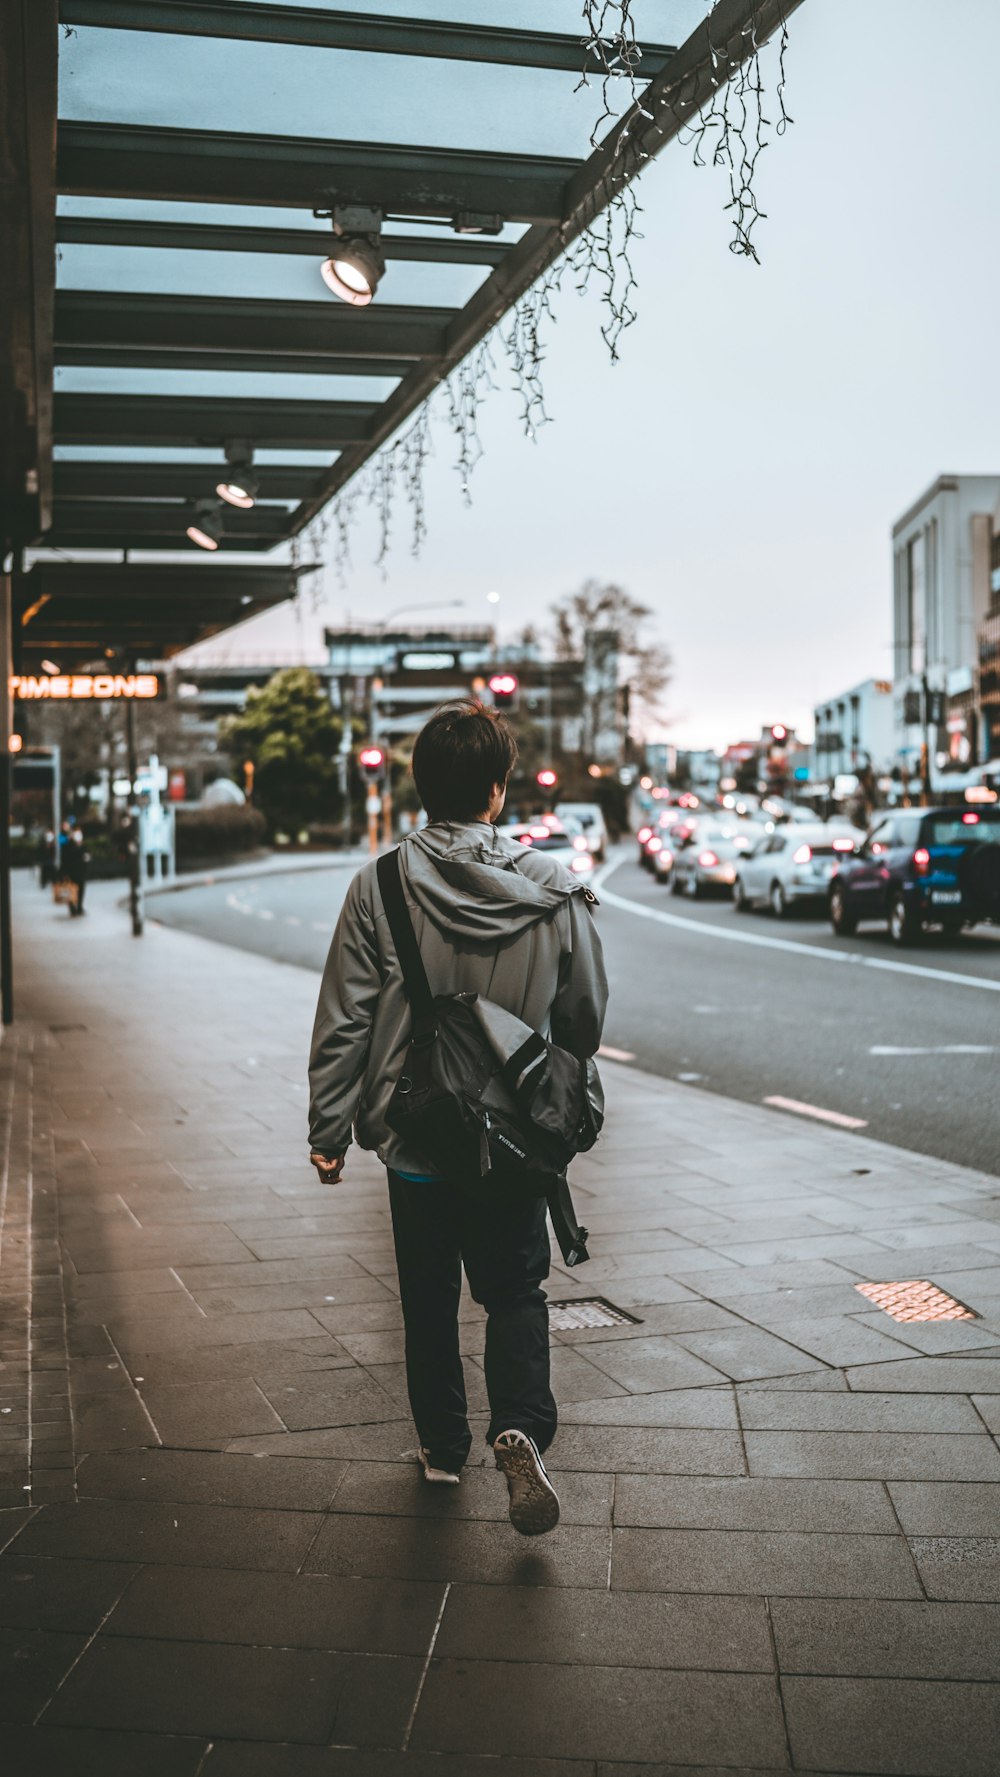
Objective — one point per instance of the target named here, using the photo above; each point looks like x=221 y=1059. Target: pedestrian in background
x=518 y=931
x=74 y=868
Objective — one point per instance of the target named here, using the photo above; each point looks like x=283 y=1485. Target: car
x=920 y=867
x=706 y=857
x=590 y=817
x=792 y=866
x=662 y=830
x=564 y=841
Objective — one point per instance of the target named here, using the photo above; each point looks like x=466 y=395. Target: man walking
x=516 y=930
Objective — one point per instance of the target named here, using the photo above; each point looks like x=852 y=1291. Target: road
x=902 y=1043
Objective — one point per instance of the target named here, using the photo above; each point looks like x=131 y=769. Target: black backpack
x=482 y=1096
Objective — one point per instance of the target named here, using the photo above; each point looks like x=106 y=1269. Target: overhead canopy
x=195 y=140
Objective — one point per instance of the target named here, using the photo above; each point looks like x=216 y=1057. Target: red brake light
x=538 y=833
x=803 y=854
x=921 y=860
x=970 y=820
x=644 y=834
x=707 y=860
x=843 y=845
x=654 y=844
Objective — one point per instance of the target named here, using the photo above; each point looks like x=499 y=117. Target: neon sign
x=101 y=687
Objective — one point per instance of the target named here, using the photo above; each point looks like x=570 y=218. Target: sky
x=740 y=469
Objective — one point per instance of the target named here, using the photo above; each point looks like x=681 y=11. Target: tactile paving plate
x=915 y=1300
x=588 y=1311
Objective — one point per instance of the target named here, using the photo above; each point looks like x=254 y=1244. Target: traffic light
x=372 y=763
x=779 y=734
x=504 y=689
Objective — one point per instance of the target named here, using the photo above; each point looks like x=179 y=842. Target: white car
x=590 y=817
x=564 y=841
x=791 y=866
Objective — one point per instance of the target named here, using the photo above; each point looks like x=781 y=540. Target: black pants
x=503 y=1243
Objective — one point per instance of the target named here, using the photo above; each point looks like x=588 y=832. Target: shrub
x=210 y=833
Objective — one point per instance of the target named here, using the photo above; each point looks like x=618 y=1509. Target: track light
x=240 y=488
x=206 y=526
x=356 y=266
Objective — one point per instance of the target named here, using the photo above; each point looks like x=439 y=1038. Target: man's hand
x=329 y=1167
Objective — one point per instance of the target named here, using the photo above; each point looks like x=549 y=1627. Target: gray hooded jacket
x=518 y=931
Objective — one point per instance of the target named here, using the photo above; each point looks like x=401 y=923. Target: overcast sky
x=741 y=469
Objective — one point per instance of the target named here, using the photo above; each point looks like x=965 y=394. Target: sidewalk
x=779 y=1546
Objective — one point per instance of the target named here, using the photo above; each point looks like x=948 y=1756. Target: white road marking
x=938 y=1049
x=615 y=1054
x=264 y=913
x=812 y=952
x=815 y=1110
x=292 y=919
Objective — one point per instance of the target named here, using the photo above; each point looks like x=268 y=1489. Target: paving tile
x=165 y=1332
x=73 y=1596
x=988 y=1408
x=394 y=1490
x=330 y=1397
x=110 y=1422
x=599 y=1711
x=227 y=1362
x=321 y=1293
x=604 y=1449
x=683 y=1503
x=743 y=1352
x=347 y=1615
x=32 y=1664
x=946 y=1508
x=886 y=1638
x=178 y=1535
x=763 y=1411
x=241 y=1759
x=206 y=1416
x=959 y=1566
x=845 y=1341
x=83 y=1752
x=876 y=1455
x=940 y=1337
x=706 y=1409
x=209 y=1478
x=417 y=1548
x=140 y=1249
x=908 y=1727
x=583 y=1627
x=201 y=1277
x=931 y=1375
x=786 y=1564
x=271 y=1693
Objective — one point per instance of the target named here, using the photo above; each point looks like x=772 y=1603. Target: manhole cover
x=588 y=1311
x=915 y=1300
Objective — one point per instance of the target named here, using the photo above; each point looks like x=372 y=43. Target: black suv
x=918 y=867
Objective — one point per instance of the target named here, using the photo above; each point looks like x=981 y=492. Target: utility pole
x=6 y=723
x=925 y=762
x=134 y=844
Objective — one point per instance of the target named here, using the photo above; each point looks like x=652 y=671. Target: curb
x=241 y=872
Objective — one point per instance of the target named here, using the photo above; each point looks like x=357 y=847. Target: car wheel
x=740 y=900
x=904 y=926
x=952 y=928
x=842 y=919
x=777 y=900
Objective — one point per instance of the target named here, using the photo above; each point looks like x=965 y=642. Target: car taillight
x=666 y=857
x=970 y=820
x=803 y=854
x=654 y=844
x=643 y=834
x=843 y=845
x=707 y=860
x=579 y=843
x=921 y=860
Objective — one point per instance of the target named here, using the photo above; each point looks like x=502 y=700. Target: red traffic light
x=503 y=684
x=372 y=758
x=779 y=732
x=547 y=779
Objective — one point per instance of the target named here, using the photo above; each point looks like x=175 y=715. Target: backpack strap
x=415 y=981
x=572 y=1237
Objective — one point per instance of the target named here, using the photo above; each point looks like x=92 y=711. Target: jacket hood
x=466 y=881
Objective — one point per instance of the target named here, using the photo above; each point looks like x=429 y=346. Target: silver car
x=709 y=857
x=791 y=866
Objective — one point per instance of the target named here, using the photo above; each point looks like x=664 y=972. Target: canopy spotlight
x=357 y=264
x=240 y=488
x=205 y=528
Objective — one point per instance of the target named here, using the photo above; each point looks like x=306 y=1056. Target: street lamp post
x=380 y=682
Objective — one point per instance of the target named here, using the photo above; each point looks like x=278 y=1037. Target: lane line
x=814 y=1110
x=762 y=942
x=939 y=1049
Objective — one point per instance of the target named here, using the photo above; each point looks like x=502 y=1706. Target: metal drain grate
x=588 y=1311
x=915 y=1300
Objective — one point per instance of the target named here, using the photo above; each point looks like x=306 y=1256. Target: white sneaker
x=534 y=1503
x=440 y=1476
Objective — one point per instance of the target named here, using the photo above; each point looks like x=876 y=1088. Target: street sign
x=101 y=687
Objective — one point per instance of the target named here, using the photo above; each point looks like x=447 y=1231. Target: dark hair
x=459 y=755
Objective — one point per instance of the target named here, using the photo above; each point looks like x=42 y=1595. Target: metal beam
x=672 y=99
x=135 y=519
x=173 y=481
x=308 y=25
x=223 y=325
x=289 y=364
x=58 y=538
x=193 y=419
x=223 y=167
x=109 y=231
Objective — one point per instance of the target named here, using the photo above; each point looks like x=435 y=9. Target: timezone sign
x=97 y=687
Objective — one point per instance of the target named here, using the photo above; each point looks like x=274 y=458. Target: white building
x=856 y=729
x=941 y=595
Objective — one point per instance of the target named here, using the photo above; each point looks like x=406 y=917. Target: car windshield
x=964 y=829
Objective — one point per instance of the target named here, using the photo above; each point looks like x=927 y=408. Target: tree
x=291 y=736
x=644 y=665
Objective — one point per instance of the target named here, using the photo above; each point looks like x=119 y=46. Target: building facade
x=855 y=730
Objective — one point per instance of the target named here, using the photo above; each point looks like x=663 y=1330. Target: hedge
x=204 y=833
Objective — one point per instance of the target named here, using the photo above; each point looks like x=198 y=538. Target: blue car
x=920 y=867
